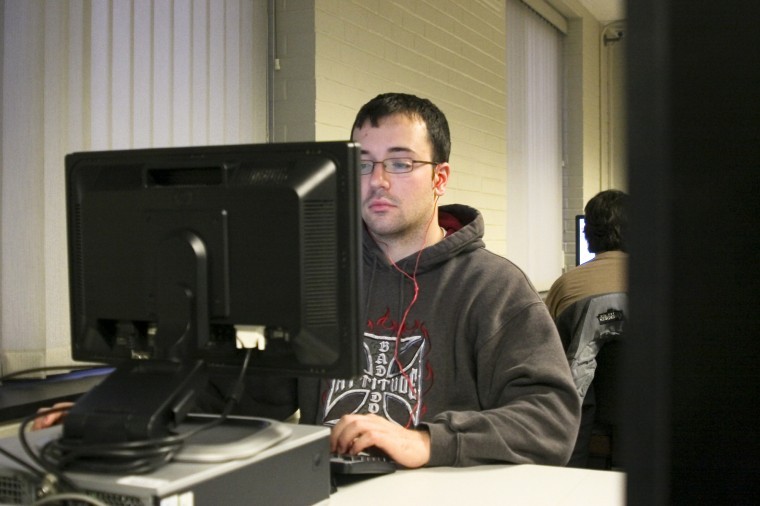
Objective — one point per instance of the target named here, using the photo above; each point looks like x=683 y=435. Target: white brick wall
x=450 y=51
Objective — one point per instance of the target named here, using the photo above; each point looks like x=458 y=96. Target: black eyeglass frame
x=385 y=163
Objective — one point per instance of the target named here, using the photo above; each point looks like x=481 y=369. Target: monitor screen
x=190 y=257
x=582 y=254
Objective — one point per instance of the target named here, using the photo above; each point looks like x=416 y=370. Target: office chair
x=591 y=330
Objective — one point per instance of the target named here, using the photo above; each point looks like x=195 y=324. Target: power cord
x=133 y=457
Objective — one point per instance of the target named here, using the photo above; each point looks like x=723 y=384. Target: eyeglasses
x=392 y=165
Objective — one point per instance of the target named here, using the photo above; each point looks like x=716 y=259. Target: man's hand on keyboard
x=356 y=433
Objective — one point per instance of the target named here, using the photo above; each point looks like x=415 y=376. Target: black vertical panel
x=693 y=388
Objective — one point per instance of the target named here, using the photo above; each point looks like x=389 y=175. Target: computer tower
x=294 y=471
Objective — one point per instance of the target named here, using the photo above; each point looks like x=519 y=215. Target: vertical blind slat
x=534 y=151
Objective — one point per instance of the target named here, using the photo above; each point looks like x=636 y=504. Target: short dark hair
x=606 y=221
x=388 y=104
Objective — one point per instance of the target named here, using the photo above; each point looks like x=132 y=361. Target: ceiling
x=606 y=10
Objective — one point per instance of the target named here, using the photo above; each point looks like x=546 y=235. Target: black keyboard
x=361 y=464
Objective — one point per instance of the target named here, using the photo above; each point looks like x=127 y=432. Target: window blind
x=98 y=75
x=534 y=144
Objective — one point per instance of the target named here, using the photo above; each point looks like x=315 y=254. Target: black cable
x=131 y=457
x=47 y=467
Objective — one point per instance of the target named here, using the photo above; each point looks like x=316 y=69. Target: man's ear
x=440 y=178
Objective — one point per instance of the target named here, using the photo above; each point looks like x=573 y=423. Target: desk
x=287 y=471
x=523 y=485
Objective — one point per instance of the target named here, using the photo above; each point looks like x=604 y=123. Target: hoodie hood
x=464 y=233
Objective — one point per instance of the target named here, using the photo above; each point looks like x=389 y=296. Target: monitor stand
x=237 y=437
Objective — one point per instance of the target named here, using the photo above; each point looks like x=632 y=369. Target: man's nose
x=378 y=176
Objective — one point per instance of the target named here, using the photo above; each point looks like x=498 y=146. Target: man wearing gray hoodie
x=463 y=364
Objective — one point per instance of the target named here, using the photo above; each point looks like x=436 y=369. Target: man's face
x=396 y=207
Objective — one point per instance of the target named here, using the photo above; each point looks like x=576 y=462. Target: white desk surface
x=523 y=485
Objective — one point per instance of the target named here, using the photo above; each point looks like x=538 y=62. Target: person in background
x=605 y=230
x=606 y=224
x=463 y=363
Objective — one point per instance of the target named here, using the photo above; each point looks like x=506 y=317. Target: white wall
x=449 y=51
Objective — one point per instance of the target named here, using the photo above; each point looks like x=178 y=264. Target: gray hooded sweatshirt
x=475 y=359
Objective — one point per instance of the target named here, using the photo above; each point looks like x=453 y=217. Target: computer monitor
x=185 y=261
x=582 y=254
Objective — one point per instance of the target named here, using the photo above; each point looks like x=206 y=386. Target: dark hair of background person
x=388 y=104
x=606 y=221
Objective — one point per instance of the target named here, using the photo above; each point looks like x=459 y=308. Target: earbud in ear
x=436 y=185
